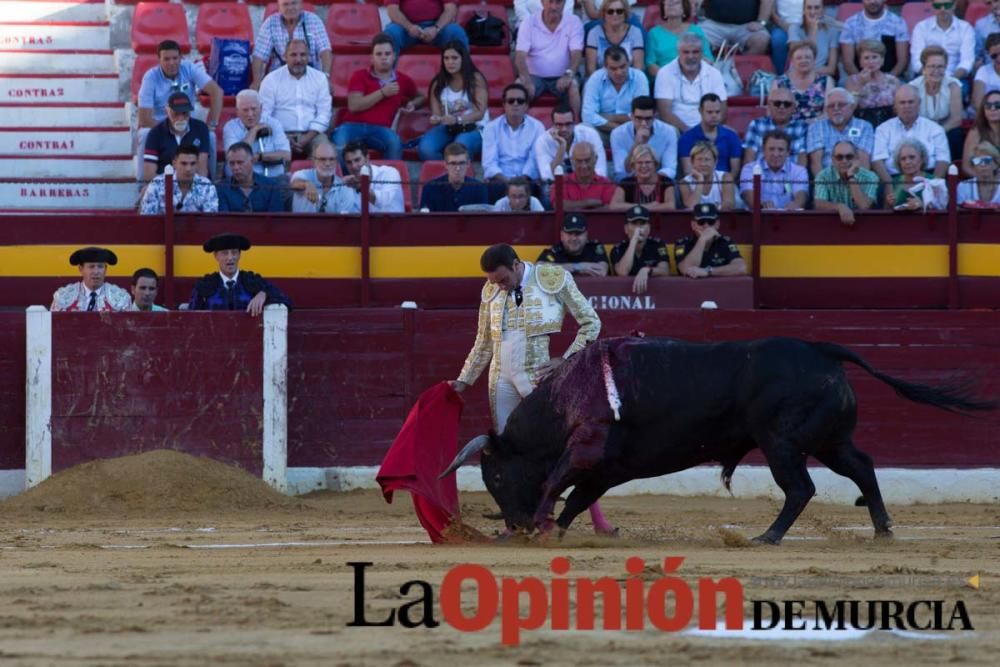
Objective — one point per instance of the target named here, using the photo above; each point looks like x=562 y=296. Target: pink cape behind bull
x=424 y=447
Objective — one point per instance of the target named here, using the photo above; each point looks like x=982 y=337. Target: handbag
x=761 y=82
x=727 y=67
x=485 y=30
x=229 y=64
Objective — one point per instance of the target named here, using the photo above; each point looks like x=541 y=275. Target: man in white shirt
x=909 y=123
x=386 y=191
x=271 y=150
x=681 y=84
x=955 y=36
x=298 y=96
x=509 y=141
x=552 y=148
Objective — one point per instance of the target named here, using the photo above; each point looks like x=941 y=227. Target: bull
x=631 y=408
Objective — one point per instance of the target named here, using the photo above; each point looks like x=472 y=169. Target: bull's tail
x=955 y=397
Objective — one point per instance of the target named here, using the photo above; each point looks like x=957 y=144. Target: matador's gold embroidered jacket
x=549 y=292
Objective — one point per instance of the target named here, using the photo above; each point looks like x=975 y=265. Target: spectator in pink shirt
x=373 y=97
x=549 y=50
x=423 y=22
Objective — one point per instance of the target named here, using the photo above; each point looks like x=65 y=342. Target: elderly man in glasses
x=780 y=108
x=247 y=191
x=320 y=190
x=707 y=252
x=838 y=125
x=846 y=186
x=509 y=141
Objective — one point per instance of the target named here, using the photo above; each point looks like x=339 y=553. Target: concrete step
x=37 y=10
x=19 y=61
x=54 y=36
x=59 y=88
x=67 y=167
x=60 y=141
x=96 y=115
x=49 y=196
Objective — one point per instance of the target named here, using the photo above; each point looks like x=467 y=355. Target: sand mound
x=158 y=481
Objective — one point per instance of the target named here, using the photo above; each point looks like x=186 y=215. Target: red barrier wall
x=12 y=375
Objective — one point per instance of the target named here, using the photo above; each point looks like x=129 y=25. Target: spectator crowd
x=859 y=114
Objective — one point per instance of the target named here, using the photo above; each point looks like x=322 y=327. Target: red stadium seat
x=505 y=3
x=154 y=22
x=272 y=8
x=412 y=125
x=976 y=11
x=352 y=27
x=467 y=12
x=344 y=66
x=651 y=17
x=739 y=118
x=498 y=71
x=299 y=165
x=431 y=169
x=542 y=113
x=229 y=20
x=747 y=65
x=143 y=64
x=847 y=10
x=915 y=12
x=422 y=68
x=224 y=117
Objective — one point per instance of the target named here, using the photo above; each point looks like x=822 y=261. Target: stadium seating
x=915 y=12
x=847 y=10
x=431 y=169
x=467 y=12
x=154 y=22
x=498 y=72
x=272 y=8
x=226 y=19
x=143 y=64
x=344 y=66
x=541 y=113
x=747 y=65
x=651 y=17
x=299 y=165
x=352 y=27
x=739 y=118
x=976 y=11
x=422 y=68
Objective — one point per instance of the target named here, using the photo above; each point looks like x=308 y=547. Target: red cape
x=426 y=444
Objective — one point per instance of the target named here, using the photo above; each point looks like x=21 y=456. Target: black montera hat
x=226 y=242
x=706 y=211
x=574 y=222
x=93 y=254
x=637 y=213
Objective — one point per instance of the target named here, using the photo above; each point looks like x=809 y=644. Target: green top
x=899 y=189
x=661 y=45
x=830 y=187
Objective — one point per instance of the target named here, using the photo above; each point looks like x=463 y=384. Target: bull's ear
x=473 y=447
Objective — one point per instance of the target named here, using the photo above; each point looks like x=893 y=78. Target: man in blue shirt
x=645 y=128
x=711 y=129
x=247 y=191
x=454 y=189
x=608 y=93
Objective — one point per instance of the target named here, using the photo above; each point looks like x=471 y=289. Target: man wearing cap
x=640 y=255
x=575 y=252
x=522 y=305
x=92 y=293
x=231 y=288
x=178 y=129
x=193 y=193
x=708 y=253
x=145 y=286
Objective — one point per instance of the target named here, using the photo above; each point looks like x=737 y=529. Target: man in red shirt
x=423 y=22
x=585 y=188
x=373 y=98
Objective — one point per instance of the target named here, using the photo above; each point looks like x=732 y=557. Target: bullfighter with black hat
x=231 y=288
x=92 y=293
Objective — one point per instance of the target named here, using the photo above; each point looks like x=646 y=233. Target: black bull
x=684 y=404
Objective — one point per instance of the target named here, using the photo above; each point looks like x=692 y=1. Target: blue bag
x=229 y=64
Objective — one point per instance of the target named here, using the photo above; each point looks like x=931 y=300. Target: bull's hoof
x=885 y=534
x=768 y=539
x=493 y=516
x=609 y=531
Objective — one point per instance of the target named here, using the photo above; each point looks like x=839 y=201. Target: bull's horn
x=474 y=446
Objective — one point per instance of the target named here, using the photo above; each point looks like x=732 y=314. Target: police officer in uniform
x=92 y=293
x=232 y=288
x=708 y=253
x=640 y=255
x=578 y=254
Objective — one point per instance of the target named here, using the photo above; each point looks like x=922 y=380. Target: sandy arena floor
x=114 y=581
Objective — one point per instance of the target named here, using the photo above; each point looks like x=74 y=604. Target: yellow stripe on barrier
x=43 y=261
x=276 y=261
x=436 y=261
x=855 y=261
x=978 y=259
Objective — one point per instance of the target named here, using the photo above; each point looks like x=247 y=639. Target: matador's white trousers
x=513 y=383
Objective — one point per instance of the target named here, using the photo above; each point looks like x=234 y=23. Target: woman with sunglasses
x=664 y=38
x=940 y=96
x=825 y=34
x=706 y=184
x=987 y=76
x=808 y=86
x=459 y=97
x=615 y=30
x=986 y=128
x=982 y=191
x=646 y=186
x=875 y=89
